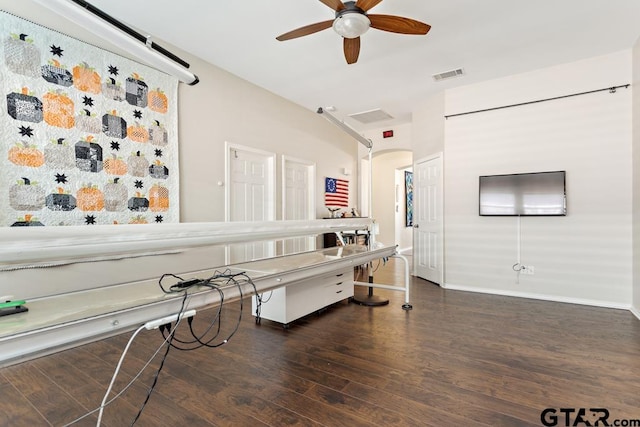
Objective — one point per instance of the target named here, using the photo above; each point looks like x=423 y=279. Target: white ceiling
x=488 y=38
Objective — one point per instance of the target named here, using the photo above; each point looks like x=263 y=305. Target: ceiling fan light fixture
x=351 y=25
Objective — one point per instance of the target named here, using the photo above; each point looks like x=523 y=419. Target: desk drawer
x=291 y=302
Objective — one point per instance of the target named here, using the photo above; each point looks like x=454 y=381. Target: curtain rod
x=130 y=31
x=610 y=89
x=141 y=47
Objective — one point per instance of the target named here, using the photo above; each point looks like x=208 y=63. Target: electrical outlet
x=528 y=270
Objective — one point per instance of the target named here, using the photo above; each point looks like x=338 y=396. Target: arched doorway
x=388 y=197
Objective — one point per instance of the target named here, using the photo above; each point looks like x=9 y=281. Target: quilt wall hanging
x=86 y=136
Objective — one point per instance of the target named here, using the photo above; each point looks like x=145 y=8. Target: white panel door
x=250 y=197
x=298 y=200
x=428 y=221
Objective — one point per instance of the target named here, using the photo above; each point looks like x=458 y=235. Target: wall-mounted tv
x=523 y=194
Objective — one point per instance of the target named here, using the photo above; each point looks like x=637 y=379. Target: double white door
x=251 y=197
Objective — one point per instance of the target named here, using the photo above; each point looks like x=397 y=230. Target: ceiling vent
x=371 y=116
x=448 y=74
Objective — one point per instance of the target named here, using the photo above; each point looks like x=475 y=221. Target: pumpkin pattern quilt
x=86 y=136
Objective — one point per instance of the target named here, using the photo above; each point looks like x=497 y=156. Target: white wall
x=384 y=192
x=220 y=108
x=636 y=178
x=428 y=128
x=401 y=139
x=585 y=257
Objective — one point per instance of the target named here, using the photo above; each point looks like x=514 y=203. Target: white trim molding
x=543 y=297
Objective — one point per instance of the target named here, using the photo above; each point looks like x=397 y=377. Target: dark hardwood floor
x=456 y=359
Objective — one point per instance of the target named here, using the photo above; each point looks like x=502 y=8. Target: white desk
x=288 y=303
x=63 y=321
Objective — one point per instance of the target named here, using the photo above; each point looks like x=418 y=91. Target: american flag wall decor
x=336 y=192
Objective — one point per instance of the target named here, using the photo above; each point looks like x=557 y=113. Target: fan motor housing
x=349 y=7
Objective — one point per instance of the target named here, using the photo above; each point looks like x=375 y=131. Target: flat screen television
x=523 y=194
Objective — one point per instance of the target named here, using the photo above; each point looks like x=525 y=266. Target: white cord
x=133 y=380
x=105 y=404
x=115 y=374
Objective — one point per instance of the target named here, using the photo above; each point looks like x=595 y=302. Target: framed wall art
x=408 y=191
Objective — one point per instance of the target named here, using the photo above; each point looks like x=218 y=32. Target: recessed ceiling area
x=489 y=39
x=371 y=116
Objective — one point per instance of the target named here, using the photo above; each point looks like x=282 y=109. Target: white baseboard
x=635 y=312
x=544 y=297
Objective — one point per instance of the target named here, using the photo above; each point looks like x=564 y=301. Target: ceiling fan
x=352 y=21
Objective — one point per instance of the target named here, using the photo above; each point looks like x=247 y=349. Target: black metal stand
x=370 y=299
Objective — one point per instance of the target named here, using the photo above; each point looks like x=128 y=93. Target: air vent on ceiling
x=371 y=116
x=448 y=74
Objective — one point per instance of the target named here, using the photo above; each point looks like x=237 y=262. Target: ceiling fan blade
x=398 y=24
x=351 y=50
x=336 y=5
x=305 y=31
x=367 y=4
